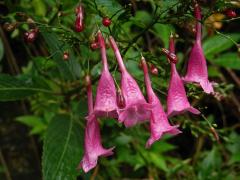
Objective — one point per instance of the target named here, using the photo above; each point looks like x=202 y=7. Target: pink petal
x=92 y=146
x=92 y=140
x=197 y=67
x=159 y=124
x=135 y=113
x=136 y=109
x=106 y=104
x=177 y=102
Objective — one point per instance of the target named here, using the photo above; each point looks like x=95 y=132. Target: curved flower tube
x=92 y=140
x=177 y=102
x=106 y=104
x=197 y=67
x=159 y=124
x=136 y=108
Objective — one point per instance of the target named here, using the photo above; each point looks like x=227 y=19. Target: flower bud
x=120 y=99
x=171 y=56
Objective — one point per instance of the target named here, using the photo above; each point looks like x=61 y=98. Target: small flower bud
x=94 y=45
x=31 y=35
x=120 y=99
x=106 y=21
x=65 y=56
x=230 y=13
x=171 y=56
x=153 y=69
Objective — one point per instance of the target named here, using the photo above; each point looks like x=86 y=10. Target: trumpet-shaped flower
x=197 y=67
x=106 y=104
x=92 y=140
x=159 y=124
x=136 y=108
x=177 y=101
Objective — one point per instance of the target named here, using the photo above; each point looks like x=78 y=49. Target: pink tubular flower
x=159 y=124
x=92 y=142
x=177 y=101
x=106 y=104
x=136 y=108
x=197 y=67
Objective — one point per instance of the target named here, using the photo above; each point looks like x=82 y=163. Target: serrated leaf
x=62 y=149
x=12 y=88
x=217 y=44
x=228 y=60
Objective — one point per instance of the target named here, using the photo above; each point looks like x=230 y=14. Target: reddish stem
x=103 y=50
x=172 y=50
x=197 y=13
x=147 y=79
x=89 y=94
x=117 y=54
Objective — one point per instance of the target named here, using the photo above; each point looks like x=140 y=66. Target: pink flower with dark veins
x=136 y=108
x=159 y=124
x=197 y=66
x=177 y=102
x=92 y=140
x=106 y=104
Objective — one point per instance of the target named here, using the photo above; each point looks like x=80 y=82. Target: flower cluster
x=128 y=105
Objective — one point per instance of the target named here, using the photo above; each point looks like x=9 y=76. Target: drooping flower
x=136 y=108
x=159 y=124
x=92 y=140
x=106 y=104
x=177 y=102
x=197 y=67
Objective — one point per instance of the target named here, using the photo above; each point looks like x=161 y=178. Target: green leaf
x=159 y=161
x=108 y=7
x=211 y=164
x=228 y=60
x=62 y=149
x=12 y=88
x=39 y=7
x=163 y=146
x=142 y=19
x=163 y=32
x=69 y=70
x=36 y=123
x=217 y=44
x=1 y=49
x=235 y=158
